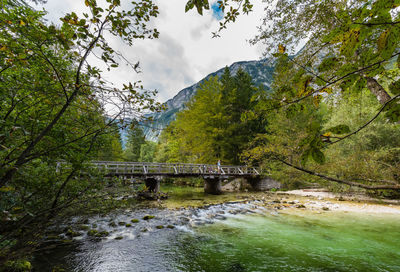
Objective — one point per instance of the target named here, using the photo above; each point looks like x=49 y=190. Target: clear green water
x=295 y=242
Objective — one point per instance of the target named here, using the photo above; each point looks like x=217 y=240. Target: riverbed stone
x=148 y=217
x=135 y=220
x=83 y=227
x=92 y=232
x=72 y=233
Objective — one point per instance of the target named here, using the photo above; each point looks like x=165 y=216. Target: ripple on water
x=239 y=237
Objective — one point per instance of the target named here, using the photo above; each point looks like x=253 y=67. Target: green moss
x=53 y=237
x=128 y=225
x=170 y=227
x=72 y=233
x=119 y=238
x=135 y=220
x=160 y=227
x=92 y=232
x=17 y=266
x=104 y=233
x=112 y=224
x=148 y=217
x=83 y=227
x=121 y=223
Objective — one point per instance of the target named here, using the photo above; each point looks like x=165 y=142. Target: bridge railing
x=147 y=168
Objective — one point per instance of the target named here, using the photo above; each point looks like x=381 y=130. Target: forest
x=330 y=118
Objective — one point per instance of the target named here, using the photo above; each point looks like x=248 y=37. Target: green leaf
x=189 y=5
x=359 y=85
x=317 y=156
x=393 y=113
x=390 y=42
x=304 y=157
x=340 y=129
x=327 y=64
x=395 y=87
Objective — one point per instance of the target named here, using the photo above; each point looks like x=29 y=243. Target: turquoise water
x=295 y=242
x=234 y=237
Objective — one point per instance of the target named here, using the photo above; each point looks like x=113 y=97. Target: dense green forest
x=331 y=116
x=56 y=108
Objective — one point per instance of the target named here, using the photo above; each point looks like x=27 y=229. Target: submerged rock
x=160 y=227
x=92 y=232
x=135 y=220
x=148 y=217
x=83 y=227
x=72 y=233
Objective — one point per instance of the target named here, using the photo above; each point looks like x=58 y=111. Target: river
x=267 y=235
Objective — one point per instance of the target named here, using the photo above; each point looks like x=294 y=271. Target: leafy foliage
x=134 y=142
x=53 y=105
x=215 y=124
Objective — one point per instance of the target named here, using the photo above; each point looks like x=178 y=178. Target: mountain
x=261 y=71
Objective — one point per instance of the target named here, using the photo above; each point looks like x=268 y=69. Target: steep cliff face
x=261 y=71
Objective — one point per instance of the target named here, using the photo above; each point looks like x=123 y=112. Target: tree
x=55 y=107
x=147 y=151
x=29 y=44
x=212 y=127
x=350 y=46
x=136 y=139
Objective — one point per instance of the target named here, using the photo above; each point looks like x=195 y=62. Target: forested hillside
x=261 y=72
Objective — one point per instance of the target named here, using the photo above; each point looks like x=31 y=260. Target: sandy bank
x=320 y=199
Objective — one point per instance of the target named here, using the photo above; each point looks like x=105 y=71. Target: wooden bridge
x=146 y=169
x=152 y=173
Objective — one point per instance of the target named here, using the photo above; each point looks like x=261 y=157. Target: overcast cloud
x=185 y=52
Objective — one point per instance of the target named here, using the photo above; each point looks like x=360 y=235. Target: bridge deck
x=139 y=169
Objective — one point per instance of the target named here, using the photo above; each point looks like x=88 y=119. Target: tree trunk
x=377 y=90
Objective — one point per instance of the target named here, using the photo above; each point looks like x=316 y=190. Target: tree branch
x=350 y=183
x=370 y=121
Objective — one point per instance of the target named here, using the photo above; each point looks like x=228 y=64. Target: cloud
x=185 y=52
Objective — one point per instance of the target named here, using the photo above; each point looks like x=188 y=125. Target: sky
x=185 y=51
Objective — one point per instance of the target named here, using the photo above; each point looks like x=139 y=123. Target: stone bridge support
x=263 y=184
x=152 y=184
x=212 y=185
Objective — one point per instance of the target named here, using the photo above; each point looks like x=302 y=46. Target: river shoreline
x=313 y=199
x=139 y=237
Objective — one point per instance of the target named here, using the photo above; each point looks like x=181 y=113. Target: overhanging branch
x=350 y=183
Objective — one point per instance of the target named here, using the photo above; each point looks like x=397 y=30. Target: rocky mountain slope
x=261 y=71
